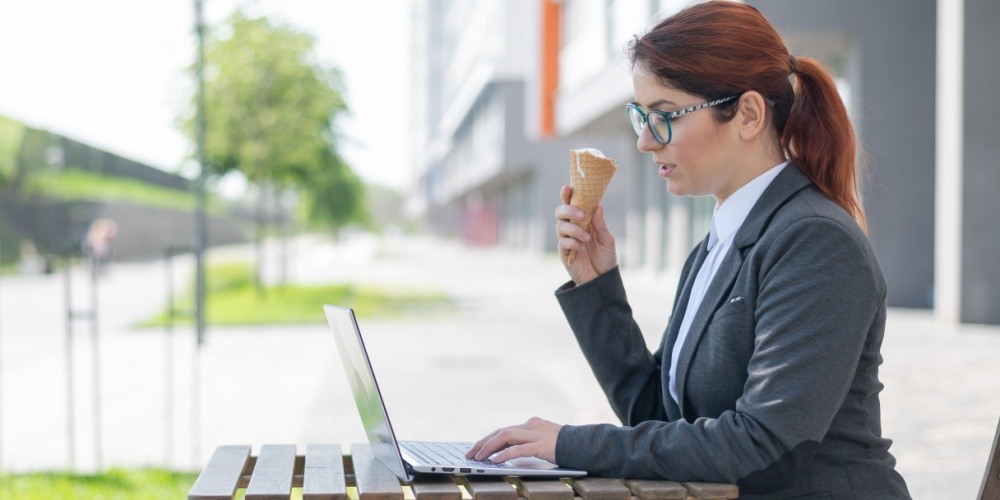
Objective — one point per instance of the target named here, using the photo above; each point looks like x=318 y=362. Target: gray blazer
x=778 y=378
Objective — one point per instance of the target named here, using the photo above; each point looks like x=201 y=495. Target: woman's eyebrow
x=658 y=102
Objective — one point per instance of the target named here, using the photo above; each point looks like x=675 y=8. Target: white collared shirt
x=726 y=220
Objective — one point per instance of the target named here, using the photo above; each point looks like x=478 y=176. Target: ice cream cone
x=590 y=173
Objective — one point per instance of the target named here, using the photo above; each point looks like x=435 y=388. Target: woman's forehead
x=650 y=89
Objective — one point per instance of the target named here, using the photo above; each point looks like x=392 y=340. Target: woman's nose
x=646 y=142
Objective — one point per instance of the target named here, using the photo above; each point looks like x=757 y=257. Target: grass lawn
x=114 y=484
x=232 y=299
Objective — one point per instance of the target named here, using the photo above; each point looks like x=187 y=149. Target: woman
x=767 y=375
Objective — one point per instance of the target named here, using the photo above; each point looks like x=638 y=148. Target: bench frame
x=324 y=473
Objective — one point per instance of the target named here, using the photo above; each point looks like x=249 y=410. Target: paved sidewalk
x=506 y=354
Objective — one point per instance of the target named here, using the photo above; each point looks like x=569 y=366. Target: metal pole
x=200 y=220
x=95 y=263
x=200 y=233
x=70 y=413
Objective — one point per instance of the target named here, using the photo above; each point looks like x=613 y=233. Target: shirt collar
x=729 y=216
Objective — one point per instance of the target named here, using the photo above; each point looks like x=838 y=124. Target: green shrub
x=233 y=299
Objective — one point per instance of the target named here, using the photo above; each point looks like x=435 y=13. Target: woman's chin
x=676 y=188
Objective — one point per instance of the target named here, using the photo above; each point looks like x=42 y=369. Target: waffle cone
x=588 y=185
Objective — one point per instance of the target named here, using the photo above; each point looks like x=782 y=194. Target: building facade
x=496 y=128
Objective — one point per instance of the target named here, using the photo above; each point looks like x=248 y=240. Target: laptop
x=406 y=458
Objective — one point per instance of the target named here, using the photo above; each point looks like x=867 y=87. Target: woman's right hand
x=595 y=248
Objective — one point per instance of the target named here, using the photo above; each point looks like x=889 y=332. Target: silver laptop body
x=409 y=457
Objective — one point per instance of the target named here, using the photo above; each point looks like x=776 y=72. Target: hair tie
x=791 y=61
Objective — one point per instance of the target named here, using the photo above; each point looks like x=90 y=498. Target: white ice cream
x=578 y=152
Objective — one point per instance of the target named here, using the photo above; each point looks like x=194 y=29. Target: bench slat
x=488 y=488
x=544 y=489
x=221 y=476
x=374 y=480
x=435 y=487
x=712 y=491
x=323 y=475
x=656 y=490
x=272 y=476
x=600 y=488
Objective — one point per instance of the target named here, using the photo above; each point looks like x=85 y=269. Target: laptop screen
x=361 y=378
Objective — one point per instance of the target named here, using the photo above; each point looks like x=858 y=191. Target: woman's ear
x=751 y=112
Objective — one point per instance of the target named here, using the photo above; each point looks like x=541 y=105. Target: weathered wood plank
x=656 y=490
x=488 y=488
x=374 y=480
x=221 y=476
x=600 y=488
x=543 y=489
x=435 y=487
x=323 y=475
x=272 y=476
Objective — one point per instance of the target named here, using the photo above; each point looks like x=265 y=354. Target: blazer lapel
x=718 y=290
x=790 y=181
x=680 y=305
x=674 y=326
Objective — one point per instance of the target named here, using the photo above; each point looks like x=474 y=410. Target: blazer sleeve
x=601 y=318
x=820 y=291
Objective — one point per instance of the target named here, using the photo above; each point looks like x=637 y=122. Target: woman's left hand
x=534 y=438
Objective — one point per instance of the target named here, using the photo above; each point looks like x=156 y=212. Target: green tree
x=271 y=110
x=337 y=196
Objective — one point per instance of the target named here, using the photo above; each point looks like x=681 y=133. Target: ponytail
x=819 y=139
x=718 y=49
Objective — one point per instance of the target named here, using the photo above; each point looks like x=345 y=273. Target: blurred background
x=404 y=158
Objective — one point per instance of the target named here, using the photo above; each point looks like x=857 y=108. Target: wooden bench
x=324 y=473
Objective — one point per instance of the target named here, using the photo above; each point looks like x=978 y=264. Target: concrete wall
x=146 y=232
x=143 y=232
x=892 y=76
x=980 y=284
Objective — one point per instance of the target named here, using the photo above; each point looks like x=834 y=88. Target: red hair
x=721 y=48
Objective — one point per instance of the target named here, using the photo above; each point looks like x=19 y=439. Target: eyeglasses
x=659 y=121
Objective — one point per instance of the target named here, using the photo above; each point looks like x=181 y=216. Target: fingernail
x=579 y=214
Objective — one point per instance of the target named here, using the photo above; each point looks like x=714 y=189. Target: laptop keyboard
x=444 y=454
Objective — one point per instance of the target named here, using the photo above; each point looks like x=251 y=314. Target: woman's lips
x=665 y=170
